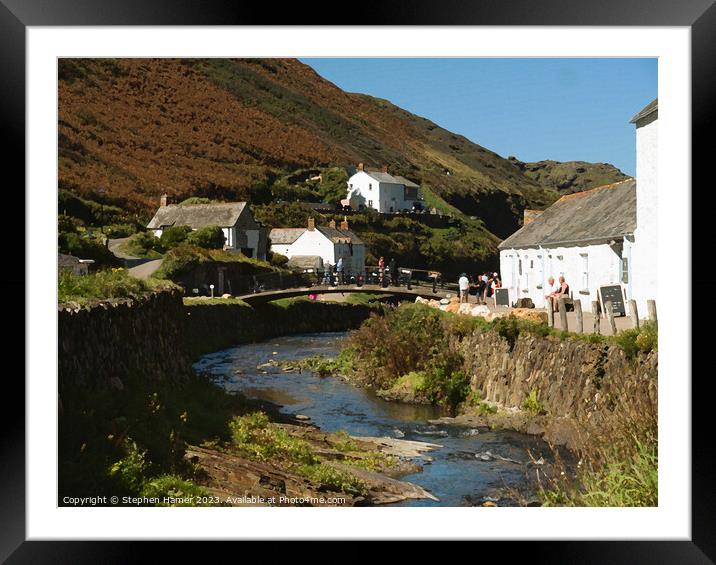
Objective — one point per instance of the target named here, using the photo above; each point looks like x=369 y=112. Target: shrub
x=85 y=248
x=196 y=200
x=258 y=439
x=533 y=404
x=174 y=236
x=277 y=260
x=445 y=387
x=208 y=237
x=171 y=486
x=143 y=244
x=119 y=230
x=633 y=341
x=115 y=283
x=129 y=471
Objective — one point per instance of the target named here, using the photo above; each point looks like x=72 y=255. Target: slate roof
x=285 y=236
x=600 y=214
x=652 y=106
x=339 y=236
x=196 y=216
x=388 y=178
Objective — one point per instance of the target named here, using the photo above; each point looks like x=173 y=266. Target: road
x=136 y=266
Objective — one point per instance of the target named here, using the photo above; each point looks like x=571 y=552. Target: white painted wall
x=644 y=250
x=585 y=268
x=315 y=243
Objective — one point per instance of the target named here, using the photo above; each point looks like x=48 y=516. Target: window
x=585 y=270
x=370 y=186
x=625 y=270
x=370 y=203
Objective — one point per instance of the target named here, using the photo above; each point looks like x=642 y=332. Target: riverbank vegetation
x=412 y=354
x=103 y=285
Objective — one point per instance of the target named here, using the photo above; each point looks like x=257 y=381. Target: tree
x=208 y=237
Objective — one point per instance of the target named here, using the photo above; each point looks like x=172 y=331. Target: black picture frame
x=699 y=15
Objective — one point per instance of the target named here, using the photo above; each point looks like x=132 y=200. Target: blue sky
x=534 y=109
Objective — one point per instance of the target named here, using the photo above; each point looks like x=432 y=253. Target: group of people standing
x=483 y=284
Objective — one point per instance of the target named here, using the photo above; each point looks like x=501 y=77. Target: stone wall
x=157 y=337
x=574 y=378
x=210 y=327
x=102 y=345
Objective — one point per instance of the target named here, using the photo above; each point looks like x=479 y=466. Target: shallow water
x=455 y=475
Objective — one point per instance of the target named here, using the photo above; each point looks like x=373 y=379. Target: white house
x=329 y=243
x=381 y=191
x=643 y=255
x=606 y=235
x=242 y=232
x=581 y=237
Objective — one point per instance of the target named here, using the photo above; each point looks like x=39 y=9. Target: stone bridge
x=401 y=292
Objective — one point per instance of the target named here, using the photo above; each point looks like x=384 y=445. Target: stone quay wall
x=157 y=337
x=573 y=378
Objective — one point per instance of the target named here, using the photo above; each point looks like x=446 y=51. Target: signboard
x=502 y=297
x=615 y=294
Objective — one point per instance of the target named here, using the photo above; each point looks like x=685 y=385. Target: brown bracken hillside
x=227 y=129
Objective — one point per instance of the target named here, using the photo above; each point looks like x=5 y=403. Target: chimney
x=530 y=216
x=332 y=224
x=311 y=224
x=385 y=168
x=163 y=200
x=344 y=223
x=360 y=166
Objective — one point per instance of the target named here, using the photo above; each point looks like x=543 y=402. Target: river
x=455 y=475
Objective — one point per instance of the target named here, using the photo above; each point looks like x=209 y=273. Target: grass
x=103 y=285
x=132 y=441
x=255 y=437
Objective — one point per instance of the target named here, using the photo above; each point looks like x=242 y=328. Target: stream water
x=455 y=475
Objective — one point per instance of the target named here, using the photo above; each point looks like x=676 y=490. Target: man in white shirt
x=464 y=284
x=553 y=292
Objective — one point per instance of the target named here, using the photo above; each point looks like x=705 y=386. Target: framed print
x=290 y=279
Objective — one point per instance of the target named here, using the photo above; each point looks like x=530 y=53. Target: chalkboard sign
x=613 y=293
x=502 y=297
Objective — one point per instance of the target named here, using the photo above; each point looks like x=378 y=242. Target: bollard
x=550 y=313
x=595 y=315
x=563 y=314
x=609 y=313
x=578 y=314
x=634 y=314
x=651 y=309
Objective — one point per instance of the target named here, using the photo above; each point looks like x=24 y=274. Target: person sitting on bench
x=557 y=294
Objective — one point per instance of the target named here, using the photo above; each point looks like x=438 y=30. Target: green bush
x=171 y=486
x=84 y=248
x=277 y=260
x=445 y=387
x=144 y=244
x=174 y=236
x=115 y=283
x=633 y=341
x=254 y=436
x=208 y=237
x=116 y=231
x=193 y=200
x=533 y=404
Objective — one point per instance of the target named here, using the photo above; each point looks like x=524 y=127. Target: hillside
x=253 y=129
x=570 y=176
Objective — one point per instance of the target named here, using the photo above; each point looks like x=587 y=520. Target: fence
x=608 y=312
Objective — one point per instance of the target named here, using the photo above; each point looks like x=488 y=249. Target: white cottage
x=381 y=191
x=602 y=236
x=581 y=237
x=242 y=232
x=643 y=251
x=329 y=243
